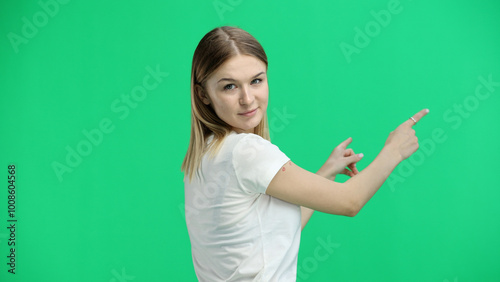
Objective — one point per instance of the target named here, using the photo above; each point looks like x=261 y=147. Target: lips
x=249 y=113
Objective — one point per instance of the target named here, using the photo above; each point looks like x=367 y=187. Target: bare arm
x=341 y=161
x=306 y=189
x=306 y=214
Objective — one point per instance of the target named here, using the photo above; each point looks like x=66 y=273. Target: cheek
x=264 y=95
x=221 y=107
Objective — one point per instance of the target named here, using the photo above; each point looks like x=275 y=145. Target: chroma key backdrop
x=95 y=122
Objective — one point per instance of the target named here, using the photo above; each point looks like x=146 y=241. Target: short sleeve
x=256 y=161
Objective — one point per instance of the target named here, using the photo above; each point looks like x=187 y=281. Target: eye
x=229 y=87
x=256 y=81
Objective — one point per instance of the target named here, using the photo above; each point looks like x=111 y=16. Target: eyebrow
x=230 y=79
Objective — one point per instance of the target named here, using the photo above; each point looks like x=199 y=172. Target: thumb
x=353 y=159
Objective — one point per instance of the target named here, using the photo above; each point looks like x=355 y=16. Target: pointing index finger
x=345 y=143
x=418 y=116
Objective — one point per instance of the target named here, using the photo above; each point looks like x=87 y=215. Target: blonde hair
x=215 y=48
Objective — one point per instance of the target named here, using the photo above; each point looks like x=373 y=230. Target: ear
x=203 y=95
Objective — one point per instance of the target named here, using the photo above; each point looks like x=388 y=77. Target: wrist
x=323 y=172
x=392 y=154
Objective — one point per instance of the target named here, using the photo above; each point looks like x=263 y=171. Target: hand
x=402 y=142
x=341 y=161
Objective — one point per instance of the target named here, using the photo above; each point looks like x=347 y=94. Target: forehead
x=240 y=67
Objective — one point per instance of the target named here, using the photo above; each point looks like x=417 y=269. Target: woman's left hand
x=341 y=161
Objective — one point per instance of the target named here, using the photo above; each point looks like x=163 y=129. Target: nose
x=246 y=97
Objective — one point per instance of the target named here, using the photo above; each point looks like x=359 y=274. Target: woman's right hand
x=402 y=142
x=303 y=188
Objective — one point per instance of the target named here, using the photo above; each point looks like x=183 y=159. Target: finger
x=417 y=117
x=347 y=172
x=353 y=168
x=351 y=165
x=345 y=143
x=348 y=152
x=353 y=159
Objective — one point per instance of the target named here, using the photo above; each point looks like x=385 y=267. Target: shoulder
x=255 y=161
x=251 y=139
x=245 y=148
x=240 y=141
x=249 y=143
x=253 y=149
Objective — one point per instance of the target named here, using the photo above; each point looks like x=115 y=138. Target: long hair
x=214 y=49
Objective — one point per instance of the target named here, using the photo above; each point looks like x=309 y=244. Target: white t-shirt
x=237 y=232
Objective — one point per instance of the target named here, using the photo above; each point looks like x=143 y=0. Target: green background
x=117 y=216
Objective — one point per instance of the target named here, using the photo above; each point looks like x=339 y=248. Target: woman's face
x=238 y=92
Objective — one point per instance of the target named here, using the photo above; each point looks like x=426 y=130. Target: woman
x=246 y=202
